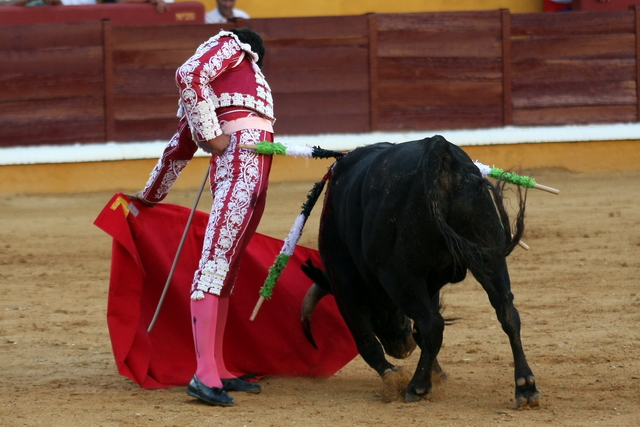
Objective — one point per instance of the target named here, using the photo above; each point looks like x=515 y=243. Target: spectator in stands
x=225 y=12
x=160 y=4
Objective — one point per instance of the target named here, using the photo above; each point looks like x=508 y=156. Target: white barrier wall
x=126 y=167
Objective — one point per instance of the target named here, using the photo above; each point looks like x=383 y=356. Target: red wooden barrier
x=93 y=81
x=577 y=67
x=439 y=70
x=318 y=69
x=51 y=84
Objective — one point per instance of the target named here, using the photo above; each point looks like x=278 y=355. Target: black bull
x=399 y=222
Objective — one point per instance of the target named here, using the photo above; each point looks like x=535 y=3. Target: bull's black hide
x=399 y=222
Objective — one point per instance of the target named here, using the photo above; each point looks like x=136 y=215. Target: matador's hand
x=141 y=199
x=219 y=143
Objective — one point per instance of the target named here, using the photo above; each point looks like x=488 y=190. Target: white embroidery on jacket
x=202 y=114
x=173 y=169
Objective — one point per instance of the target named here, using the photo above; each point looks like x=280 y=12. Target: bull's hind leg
x=498 y=289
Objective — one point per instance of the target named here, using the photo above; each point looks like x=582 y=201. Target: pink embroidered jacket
x=217 y=76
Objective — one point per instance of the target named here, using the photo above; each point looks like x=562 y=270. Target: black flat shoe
x=236 y=384
x=211 y=395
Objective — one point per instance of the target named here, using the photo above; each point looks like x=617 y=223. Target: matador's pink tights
x=209 y=319
x=223 y=310
x=204 y=324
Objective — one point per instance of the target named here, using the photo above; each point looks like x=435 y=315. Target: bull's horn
x=309 y=303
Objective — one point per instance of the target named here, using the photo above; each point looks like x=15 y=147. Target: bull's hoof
x=395 y=382
x=413 y=394
x=527 y=396
x=439 y=377
x=412 y=397
x=417 y=391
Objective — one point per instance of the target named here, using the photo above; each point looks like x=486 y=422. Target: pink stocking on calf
x=204 y=315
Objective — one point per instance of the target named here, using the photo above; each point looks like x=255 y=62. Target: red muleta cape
x=145 y=241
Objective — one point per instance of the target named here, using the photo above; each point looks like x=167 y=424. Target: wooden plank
x=288 y=106
x=51 y=133
x=440 y=117
x=319 y=42
x=145 y=107
x=585 y=47
x=318 y=69
x=430 y=68
x=75 y=108
x=573 y=70
x=306 y=31
x=144 y=82
x=25 y=88
x=39 y=62
x=331 y=75
x=374 y=74
x=315 y=27
x=50 y=36
x=307 y=57
x=444 y=43
x=636 y=12
x=574 y=94
x=109 y=112
x=145 y=130
x=574 y=23
x=574 y=115
x=456 y=21
x=312 y=124
x=151 y=59
x=507 y=78
x=163 y=37
x=319 y=80
x=402 y=94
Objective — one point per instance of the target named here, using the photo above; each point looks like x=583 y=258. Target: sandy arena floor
x=577 y=289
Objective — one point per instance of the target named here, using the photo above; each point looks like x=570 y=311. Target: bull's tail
x=441 y=167
x=512 y=235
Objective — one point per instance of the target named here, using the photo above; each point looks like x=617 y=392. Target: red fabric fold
x=145 y=241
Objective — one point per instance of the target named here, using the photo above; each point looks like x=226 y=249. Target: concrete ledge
x=467 y=137
x=126 y=167
x=131 y=175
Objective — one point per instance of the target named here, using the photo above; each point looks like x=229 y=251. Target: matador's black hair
x=253 y=39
